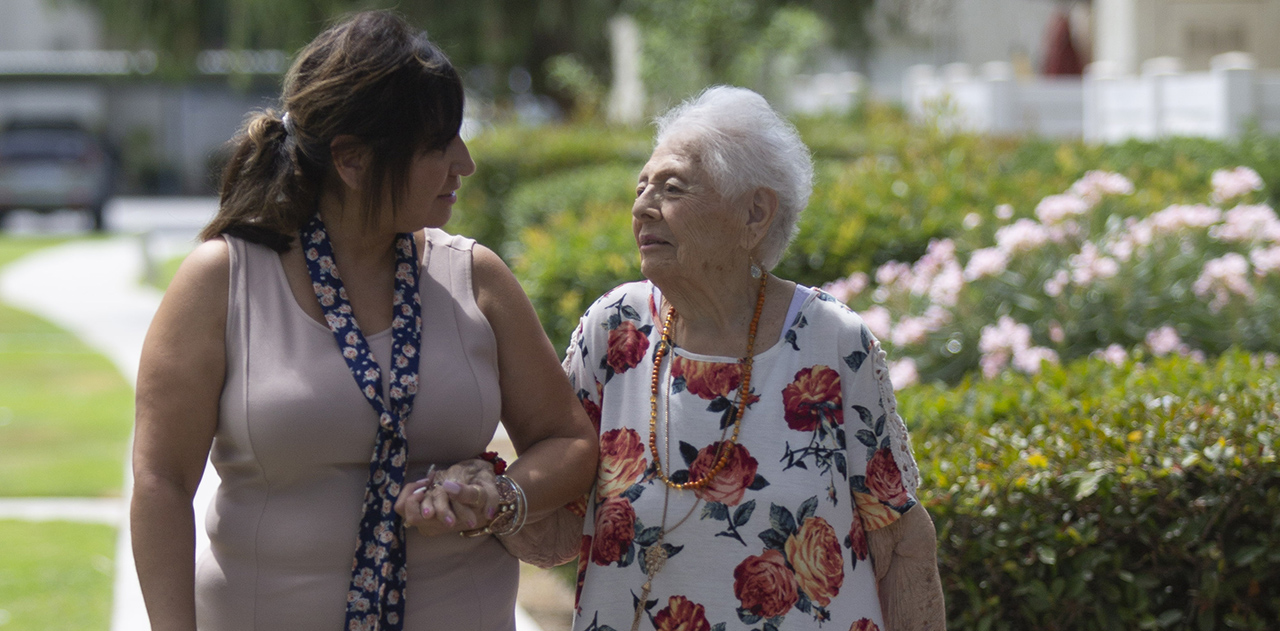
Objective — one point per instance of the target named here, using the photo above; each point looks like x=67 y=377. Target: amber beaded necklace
x=744 y=390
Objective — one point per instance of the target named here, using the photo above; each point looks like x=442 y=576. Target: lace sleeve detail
x=571 y=353
x=897 y=429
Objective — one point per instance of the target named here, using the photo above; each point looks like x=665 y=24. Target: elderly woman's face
x=682 y=224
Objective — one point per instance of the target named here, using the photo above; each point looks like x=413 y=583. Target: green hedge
x=1103 y=497
x=884 y=189
x=510 y=157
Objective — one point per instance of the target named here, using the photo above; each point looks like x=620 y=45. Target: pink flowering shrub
x=1091 y=275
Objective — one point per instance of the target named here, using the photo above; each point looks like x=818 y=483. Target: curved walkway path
x=91 y=289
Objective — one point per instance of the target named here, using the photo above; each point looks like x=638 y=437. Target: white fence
x=1103 y=106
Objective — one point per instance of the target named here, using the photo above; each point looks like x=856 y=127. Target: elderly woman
x=754 y=470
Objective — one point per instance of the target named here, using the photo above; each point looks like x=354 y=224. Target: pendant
x=654 y=558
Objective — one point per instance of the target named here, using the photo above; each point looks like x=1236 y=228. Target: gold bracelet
x=511 y=510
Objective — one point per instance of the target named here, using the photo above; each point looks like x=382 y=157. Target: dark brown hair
x=371 y=76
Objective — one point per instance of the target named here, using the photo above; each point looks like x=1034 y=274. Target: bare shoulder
x=202 y=282
x=494 y=284
x=209 y=262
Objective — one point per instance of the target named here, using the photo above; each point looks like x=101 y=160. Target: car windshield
x=44 y=145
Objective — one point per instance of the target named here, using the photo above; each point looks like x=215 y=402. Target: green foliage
x=567 y=73
x=1145 y=496
x=573 y=258
x=690 y=44
x=884 y=190
x=511 y=156
x=55 y=576
x=494 y=34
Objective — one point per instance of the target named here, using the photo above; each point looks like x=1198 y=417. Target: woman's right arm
x=180 y=379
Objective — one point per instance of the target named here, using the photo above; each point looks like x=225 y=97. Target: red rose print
x=593 y=412
x=708 y=380
x=578 y=507
x=627 y=346
x=732 y=481
x=813 y=394
x=615 y=530
x=875 y=515
x=858 y=537
x=814 y=552
x=681 y=614
x=584 y=557
x=884 y=479
x=764 y=585
x=621 y=461
x=864 y=624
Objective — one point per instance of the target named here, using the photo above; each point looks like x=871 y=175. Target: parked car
x=52 y=165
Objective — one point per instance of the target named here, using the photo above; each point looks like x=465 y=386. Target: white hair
x=744 y=144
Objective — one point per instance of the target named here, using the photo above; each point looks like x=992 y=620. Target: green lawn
x=65 y=415
x=55 y=576
x=65 y=412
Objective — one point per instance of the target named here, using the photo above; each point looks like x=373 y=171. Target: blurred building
x=43 y=25
x=170 y=135
x=1129 y=32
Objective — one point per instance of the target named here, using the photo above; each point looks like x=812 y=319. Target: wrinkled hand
x=462 y=497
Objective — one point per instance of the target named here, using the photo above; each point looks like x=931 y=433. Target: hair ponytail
x=370 y=76
x=265 y=193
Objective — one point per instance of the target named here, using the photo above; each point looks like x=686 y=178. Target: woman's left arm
x=899 y=531
x=906 y=562
x=555 y=442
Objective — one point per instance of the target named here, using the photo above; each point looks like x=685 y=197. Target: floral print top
x=778 y=539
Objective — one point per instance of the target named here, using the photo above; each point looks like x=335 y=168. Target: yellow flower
x=1135 y=436
x=1037 y=460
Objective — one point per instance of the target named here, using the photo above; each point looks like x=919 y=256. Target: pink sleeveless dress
x=293 y=444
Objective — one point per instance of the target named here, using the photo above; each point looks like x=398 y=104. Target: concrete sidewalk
x=91 y=289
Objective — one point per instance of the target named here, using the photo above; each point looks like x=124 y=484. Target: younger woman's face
x=431 y=188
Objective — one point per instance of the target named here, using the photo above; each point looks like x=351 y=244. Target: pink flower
x=903 y=373
x=1056 y=333
x=1265 y=260
x=1058 y=208
x=986 y=262
x=1096 y=184
x=1165 y=340
x=1022 y=235
x=848 y=288
x=971 y=221
x=1177 y=217
x=946 y=285
x=1001 y=342
x=892 y=272
x=1030 y=360
x=909 y=331
x=935 y=317
x=877 y=319
x=1054 y=286
x=1222 y=277
x=1004 y=212
x=1006 y=335
x=1248 y=223
x=1088 y=265
x=1228 y=185
x=1114 y=354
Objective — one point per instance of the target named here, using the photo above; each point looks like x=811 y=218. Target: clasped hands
x=462 y=497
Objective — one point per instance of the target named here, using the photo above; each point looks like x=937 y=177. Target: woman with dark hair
x=325 y=318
